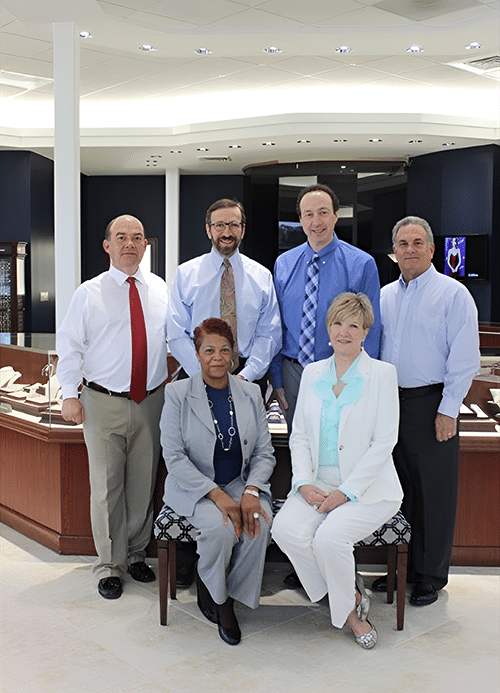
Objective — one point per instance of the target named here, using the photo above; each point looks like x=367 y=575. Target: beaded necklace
x=231 y=431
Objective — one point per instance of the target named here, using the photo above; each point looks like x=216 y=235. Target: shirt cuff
x=346 y=493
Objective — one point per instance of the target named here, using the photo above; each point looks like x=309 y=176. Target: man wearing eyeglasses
x=224 y=283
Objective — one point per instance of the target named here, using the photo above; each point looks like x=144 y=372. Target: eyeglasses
x=221 y=225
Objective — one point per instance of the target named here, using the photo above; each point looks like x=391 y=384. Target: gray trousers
x=123 y=444
x=292 y=373
x=228 y=566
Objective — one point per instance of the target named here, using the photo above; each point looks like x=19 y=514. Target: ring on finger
x=256 y=516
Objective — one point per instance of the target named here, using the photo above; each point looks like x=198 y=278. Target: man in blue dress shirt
x=340 y=267
x=196 y=295
x=430 y=333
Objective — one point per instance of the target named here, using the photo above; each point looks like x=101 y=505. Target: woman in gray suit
x=219 y=457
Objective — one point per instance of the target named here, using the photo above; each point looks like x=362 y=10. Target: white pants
x=320 y=547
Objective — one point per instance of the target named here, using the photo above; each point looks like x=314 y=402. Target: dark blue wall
x=197 y=193
x=457 y=191
x=27 y=214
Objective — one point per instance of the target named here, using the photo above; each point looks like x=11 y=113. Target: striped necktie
x=308 y=324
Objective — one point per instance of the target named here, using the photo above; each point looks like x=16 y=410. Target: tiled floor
x=60 y=636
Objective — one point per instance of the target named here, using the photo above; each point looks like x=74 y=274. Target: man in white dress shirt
x=96 y=346
x=196 y=295
x=430 y=333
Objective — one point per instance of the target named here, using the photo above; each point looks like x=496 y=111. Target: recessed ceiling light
x=472 y=46
x=448 y=144
x=375 y=139
x=415 y=49
x=337 y=141
x=203 y=51
x=303 y=141
x=272 y=49
x=268 y=144
x=85 y=35
x=343 y=49
x=148 y=48
x=235 y=146
x=155 y=156
x=202 y=149
x=414 y=141
x=175 y=151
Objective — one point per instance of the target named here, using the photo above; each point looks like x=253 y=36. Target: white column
x=67 y=164
x=171 y=224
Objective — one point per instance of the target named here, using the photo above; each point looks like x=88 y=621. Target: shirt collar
x=218 y=259
x=421 y=280
x=330 y=248
x=120 y=277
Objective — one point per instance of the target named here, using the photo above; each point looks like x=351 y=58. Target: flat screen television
x=463 y=257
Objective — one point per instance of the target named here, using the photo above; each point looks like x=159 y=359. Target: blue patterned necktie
x=308 y=324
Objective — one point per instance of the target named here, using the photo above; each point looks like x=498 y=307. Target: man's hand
x=279 y=394
x=72 y=410
x=446 y=427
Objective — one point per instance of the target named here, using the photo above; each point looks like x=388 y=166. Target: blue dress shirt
x=195 y=295
x=342 y=267
x=430 y=333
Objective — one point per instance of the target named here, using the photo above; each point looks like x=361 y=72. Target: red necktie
x=139 y=345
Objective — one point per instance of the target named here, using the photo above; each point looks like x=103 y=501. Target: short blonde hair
x=349 y=304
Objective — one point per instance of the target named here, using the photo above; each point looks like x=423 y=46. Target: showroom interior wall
x=456 y=191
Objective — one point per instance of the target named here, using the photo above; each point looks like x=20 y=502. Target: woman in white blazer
x=219 y=457
x=344 y=484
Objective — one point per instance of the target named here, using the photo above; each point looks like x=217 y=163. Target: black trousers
x=428 y=471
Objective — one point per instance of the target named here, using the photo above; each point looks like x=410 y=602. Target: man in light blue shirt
x=196 y=295
x=430 y=333
x=342 y=267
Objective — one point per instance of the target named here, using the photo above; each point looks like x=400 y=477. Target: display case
x=29 y=389
x=44 y=486
x=12 y=286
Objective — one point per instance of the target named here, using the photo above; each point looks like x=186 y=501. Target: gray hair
x=413 y=220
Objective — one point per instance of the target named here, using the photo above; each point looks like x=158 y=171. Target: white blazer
x=368 y=432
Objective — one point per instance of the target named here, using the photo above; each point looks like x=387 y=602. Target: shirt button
x=341 y=447
x=245 y=442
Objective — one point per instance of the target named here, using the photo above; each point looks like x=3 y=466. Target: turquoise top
x=331 y=410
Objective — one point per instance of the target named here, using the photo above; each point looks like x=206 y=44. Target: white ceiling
x=144 y=112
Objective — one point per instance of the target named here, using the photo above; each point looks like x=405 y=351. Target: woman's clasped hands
x=321 y=500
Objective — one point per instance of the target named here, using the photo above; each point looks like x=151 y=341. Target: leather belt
x=105 y=391
x=411 y=392
x=289 y=358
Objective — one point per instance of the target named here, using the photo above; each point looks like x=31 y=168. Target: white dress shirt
x=94 y=340
x=430 y=333
x=195 y=296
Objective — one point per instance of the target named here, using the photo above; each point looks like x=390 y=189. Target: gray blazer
x=188 y=440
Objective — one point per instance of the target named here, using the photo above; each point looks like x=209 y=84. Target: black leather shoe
x=423 y=594
x=293 y=581
x=205 y=602
x=380 y=584
x=110 y=587
x=229 y=629
x=141 y=572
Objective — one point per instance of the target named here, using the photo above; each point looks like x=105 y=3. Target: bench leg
x=391 y=572
x=163 y=575
x=172 y=567
x=402 y=570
